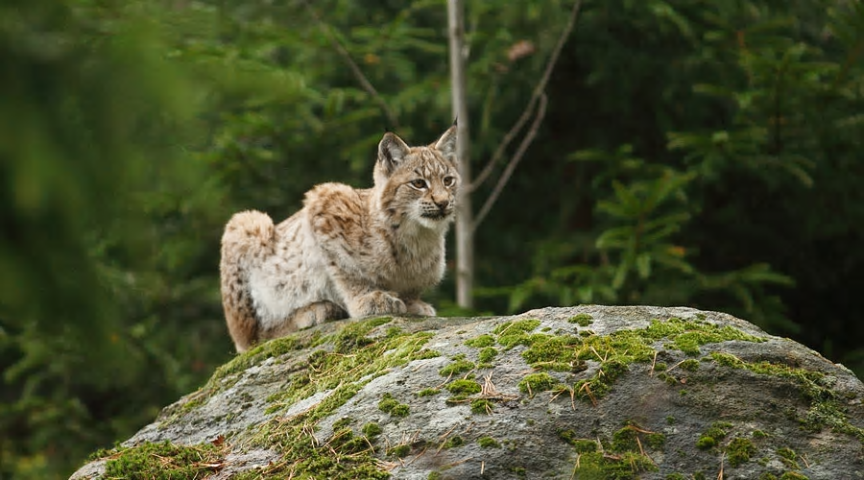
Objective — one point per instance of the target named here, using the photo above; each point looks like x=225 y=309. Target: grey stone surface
x=772 y=408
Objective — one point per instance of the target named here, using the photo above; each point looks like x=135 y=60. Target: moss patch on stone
x=536 y=382
x=390 y=405
x=712 y=436
x=514 y=333
x=487 y=355
x=484 y=340
x=162 y=461
x=453 y=442
x=583 y=319
x=481 y=406
x=459 y=365
x=488 y=442
x=428 y=392
x=739 y=451
x=463 y=387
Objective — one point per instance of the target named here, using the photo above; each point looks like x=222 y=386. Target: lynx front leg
x=419 y=307
x=365 y=300
x=375 y=302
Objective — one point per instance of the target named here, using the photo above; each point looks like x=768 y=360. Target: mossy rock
x=518 y=397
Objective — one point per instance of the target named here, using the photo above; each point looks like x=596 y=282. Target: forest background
x=686 y=152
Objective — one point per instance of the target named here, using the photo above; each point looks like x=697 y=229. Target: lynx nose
x=442 y=204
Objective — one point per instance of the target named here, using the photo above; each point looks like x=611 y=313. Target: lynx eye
x=449 y=181
x=419 y=184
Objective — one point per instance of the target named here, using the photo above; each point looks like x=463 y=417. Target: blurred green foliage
x=693 y=154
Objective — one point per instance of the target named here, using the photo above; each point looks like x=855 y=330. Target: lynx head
x=418 y=184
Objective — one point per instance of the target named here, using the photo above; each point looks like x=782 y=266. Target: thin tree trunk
x=464 y=213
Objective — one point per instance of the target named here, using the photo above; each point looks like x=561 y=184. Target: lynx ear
x=447 y=144
x=391 y=151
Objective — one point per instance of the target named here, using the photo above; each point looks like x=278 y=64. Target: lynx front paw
x=378 y=303
x=421 y=308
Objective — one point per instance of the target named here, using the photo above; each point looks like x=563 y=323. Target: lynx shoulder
x=347 y=252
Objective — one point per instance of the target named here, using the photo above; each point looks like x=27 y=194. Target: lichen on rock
x=581 y=392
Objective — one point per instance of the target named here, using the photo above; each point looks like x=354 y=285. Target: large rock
x=587 y=392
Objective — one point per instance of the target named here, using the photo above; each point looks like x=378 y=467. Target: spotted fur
x=347 y=252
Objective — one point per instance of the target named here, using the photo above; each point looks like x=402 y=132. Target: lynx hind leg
x=419 y=307
x=247 y=240
x=308 y=316
x=240 y=316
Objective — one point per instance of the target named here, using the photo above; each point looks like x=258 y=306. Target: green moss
x=767 y=476
x=342 y=365
x=688 y=335
x=536 y=382
x=712 y=436
x=581 y=445
x=481 y=406
x=585 y=446
x=273 y=348
x=428 y=392
x=739 y=451
x=759 y=434
x=342 y=423
x=548 y=352
x=705 y=443
x=626 y=466
x=660 y=367
x=487 y=354
x=371 y=430
x=519 y=471
x=400 y=451
x=670 y=420
x=453 y=442
x=163 y=461
x=583 y=319
x=675 y=476
x=484 y=340
x=625 y=440
x=656 y=440
x=514 y=333
x=353 y=335
x=434 y=476
x=488 y=442
x=463 y=387
x=690 y=365
x=390 y=405
x=460 y=365
x=793 y=476
x=789 y=457
x=345 y=442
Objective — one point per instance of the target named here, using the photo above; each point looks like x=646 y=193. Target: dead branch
x=535 y=97
x=514 y=161
x=364 y=82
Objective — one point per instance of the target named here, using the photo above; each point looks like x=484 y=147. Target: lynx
x=348 y=252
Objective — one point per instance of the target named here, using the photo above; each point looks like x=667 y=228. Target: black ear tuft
x=447 y=144
x=455 y=121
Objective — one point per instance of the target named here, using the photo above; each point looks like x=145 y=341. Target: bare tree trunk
x=464 y=214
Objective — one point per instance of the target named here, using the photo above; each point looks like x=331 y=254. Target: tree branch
x=535 y=96
x=365 y=84
x=511 y=166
